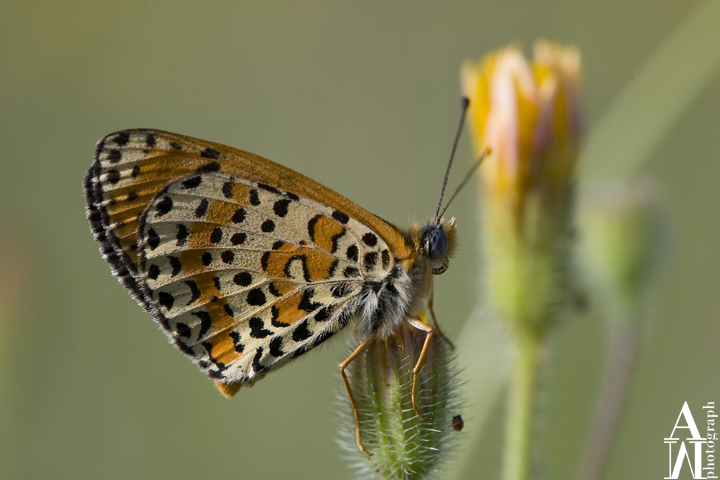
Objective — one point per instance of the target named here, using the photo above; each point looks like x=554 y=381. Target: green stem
x=610 y=407
x=521 y=406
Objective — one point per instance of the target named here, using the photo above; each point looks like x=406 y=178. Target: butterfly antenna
x=482 y=156
x=464 y=106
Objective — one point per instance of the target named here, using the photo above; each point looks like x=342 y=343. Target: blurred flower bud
x=623 y=241
x=529 y=115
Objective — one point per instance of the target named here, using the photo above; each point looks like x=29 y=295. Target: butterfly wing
x=244 y=263
x=244 y=278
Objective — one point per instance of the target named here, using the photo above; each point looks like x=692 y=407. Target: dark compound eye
x=436 y=243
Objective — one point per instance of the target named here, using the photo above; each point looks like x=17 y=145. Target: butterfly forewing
x=132 y=166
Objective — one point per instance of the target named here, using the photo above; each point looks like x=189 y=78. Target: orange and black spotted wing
x=244 y=263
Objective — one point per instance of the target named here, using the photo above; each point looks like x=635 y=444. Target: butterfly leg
x=343 y=366
x=423 y=354
x=435 y=322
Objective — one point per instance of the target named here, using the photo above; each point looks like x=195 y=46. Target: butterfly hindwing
x=244 y=277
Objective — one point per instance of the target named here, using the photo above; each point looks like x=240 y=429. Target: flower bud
x=529 y=116
x=402 y=445
x=623 y=241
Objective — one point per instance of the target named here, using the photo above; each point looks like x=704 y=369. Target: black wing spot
x=114 y=156
x=176 y=265
x=113 y=176
x=150 y=140
x=256 y=297
x=239 y=215
x=132 y=196
x=182 y=235
x=333 y=267
x=292 y=196
x=187 y=350
x=209 y=168
x=370 y=239
x=227 y=256
x=341 y=290
x=229 y=311
x=277 y=245
x=257 y=328
x=264 y=260
x=166 y=300
x=274 y=314
x=176 y=145
x=340 y=217
x=153 y=272
x=301 y=332
x=210 y=153
x=281 y=207
x=216 y=281
x=306 y=302
x=194 y=291
x=311 y=226
x=192 y=182
x=352 y=253
x=273 y=289
x=227 y=189
x=243 y=279
x=385 y=259
x=122 y=138
x=258 y=368
x=238 y=238
x=216 y=235
x=254 y=197
x=183 y=329
x=239 y=347
x=335 y=239
x=201 y=209
x=351 y=272
x=267 y=226
x=153 y=240
x=323 y=314
x=370 y=260
x=205 y=322
x=135 y=171
x=206 y=259
x=276 y=347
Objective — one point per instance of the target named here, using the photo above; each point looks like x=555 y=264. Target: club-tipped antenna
x=477 y=163
x=464 y=105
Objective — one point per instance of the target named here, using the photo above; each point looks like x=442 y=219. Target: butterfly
x=246 y=264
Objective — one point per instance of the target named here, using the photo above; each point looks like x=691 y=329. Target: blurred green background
x=363 y=97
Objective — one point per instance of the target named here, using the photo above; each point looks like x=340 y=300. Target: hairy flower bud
x=401 y=443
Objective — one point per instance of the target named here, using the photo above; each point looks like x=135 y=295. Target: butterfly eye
x=437 y=243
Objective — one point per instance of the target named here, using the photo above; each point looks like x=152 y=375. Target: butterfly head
x=437 y=243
